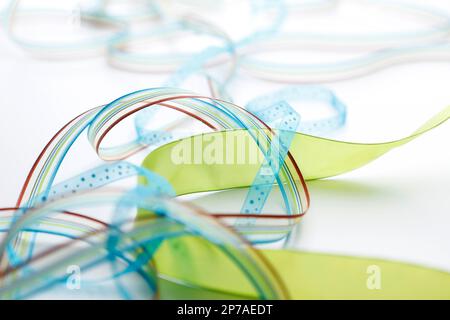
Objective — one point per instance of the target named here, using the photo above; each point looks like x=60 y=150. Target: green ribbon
x=201 y=270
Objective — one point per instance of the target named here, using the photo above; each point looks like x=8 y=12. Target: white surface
x=396 y=207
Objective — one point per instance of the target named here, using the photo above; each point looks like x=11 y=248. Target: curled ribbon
x=215 y=257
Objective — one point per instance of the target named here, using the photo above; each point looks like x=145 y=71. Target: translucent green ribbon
x=201 y=270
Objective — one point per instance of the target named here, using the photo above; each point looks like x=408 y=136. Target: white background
x=397 y=207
